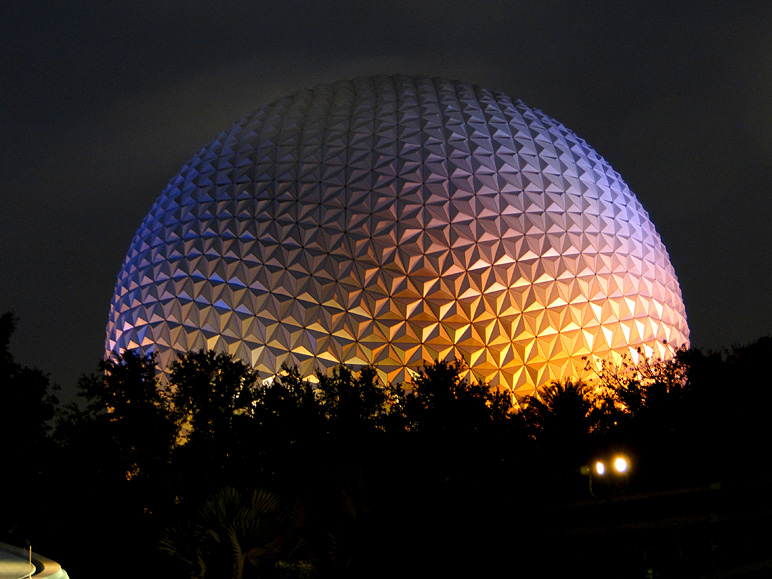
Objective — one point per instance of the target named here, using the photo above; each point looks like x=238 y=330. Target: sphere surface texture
x=394 y=221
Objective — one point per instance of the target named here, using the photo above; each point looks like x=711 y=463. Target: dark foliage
x=349 y=477
x=211 y=391
x=130 y=413
x=27 y=407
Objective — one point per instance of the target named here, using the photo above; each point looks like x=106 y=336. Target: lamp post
x=608 y=476
x=611 y=471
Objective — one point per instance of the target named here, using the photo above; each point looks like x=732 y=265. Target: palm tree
x=228 y=531
x=562 y=404
x=560 y=419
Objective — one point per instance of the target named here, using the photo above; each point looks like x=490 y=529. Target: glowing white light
x=620 y=464
x=600 y=468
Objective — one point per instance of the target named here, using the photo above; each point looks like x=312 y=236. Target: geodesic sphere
x=394 y=221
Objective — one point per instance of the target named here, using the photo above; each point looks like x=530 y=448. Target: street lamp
x=611 y=472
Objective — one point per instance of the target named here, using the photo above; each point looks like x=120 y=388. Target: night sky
x=101 y=103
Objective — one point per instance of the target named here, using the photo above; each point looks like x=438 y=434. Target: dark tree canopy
x=210 y=391
x=352 y=402
x=27 y=407
x=27 y=404
x=344 y=464
x=132 y=409
x=441 y=400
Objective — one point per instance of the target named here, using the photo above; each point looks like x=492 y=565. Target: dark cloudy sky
x=102 y=102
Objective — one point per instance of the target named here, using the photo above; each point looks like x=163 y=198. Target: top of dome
x=394 y=221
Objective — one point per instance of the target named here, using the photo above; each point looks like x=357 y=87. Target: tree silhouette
x=135 y=411
x=559 y=416
x=286 y=439
x=442 y=401
x=352 y=403
x=232 y=534
x=26 y=403
x=211 y=391
x=630 y=389
x=27 y=407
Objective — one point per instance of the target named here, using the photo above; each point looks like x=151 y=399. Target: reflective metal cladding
x=394 y=221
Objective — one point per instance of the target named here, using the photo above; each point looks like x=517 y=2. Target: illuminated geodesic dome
x=394 y=221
